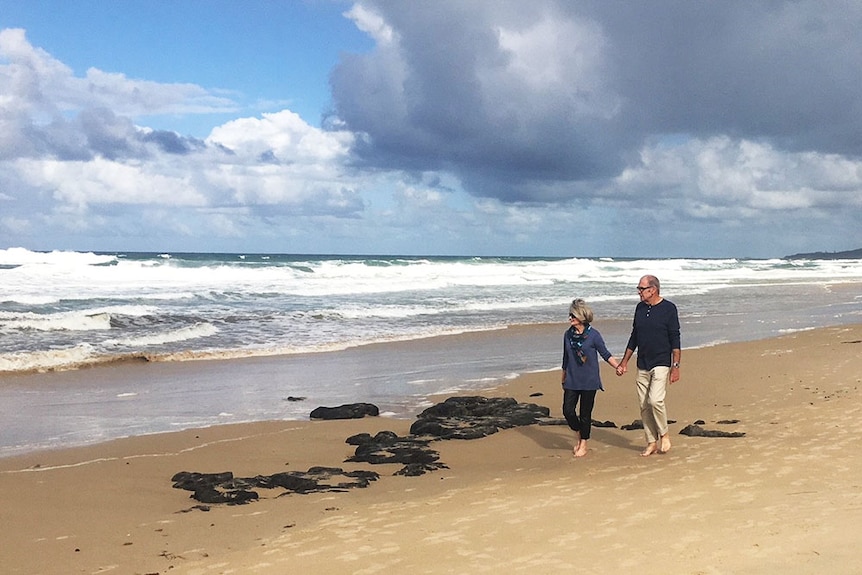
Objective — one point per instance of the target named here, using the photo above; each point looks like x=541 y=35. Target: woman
x=582 y=346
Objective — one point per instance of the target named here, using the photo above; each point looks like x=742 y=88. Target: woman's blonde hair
x=581 y=310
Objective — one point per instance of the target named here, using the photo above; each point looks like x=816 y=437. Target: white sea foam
x=45 y=360
x=182 y=334
x=66 y=321
x=176 y=307
x=24 y=257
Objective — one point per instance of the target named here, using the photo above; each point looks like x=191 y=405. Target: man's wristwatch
x=675 y=364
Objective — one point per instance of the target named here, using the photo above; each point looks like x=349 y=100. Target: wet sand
x=785 y=498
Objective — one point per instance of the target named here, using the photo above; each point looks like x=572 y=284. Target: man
x=655 y=334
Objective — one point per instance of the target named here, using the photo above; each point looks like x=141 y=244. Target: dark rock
x=700 y=422
x=225 y=488
x=191 y=480
x=431 y=427
x=537 y=394
x=413 y=470
x=553 y=421
x=562 y=421
x=347 y=411
x=358 y=439
x=289 y=481
x=212 y=495
x=694 y=430
x=470 y=406
x=362 y=478
x=473 y=417
x=293 y=398
x=388 y=447
x=452 y=428
x=727 y=421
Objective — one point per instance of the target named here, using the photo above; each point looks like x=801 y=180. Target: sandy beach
x=784 y=498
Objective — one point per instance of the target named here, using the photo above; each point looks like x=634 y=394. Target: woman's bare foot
x=650 y=449
x=665 y=443
x=577 y=444
x=581 y=448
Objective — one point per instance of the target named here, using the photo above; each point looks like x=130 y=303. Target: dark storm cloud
x=783 y=71
x=521 y=100
x=444 y=96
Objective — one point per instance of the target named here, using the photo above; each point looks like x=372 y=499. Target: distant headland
x=846 y=255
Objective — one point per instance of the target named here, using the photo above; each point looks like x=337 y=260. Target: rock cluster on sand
x=388 y=447
x=474 y=417
x=225 y=488
x=469 y=417
x=455 y=418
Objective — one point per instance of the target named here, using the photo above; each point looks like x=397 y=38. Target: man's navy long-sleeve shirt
x=655 y=333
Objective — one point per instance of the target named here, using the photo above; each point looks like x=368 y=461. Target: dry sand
x=785 y=498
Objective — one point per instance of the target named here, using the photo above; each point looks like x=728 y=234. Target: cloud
x=496 y=92
x=782 y=71
x=73 y=156
x=102 y=181
x=283 y=136
x=727 y=179
x=549 y=127
x=521 y=101
x=280 y=162
x=46 y=110
x=34 y=81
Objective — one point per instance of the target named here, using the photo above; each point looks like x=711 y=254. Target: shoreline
x=784 y=498
x=143 y=357
x=125 y=399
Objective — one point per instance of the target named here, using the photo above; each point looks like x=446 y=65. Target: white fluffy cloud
x=69 y=146
x=101 y=181
x=285 y=136
x=35 y=82
x=741 y=178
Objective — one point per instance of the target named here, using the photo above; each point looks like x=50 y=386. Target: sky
x=456 y=127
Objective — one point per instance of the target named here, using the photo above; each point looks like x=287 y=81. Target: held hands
x=674 y=373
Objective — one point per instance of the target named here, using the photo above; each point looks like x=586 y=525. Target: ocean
x=222 y=338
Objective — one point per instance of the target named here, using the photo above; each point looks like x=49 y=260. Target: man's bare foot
x=650 y=449
x=581 y=448
x=665 y=444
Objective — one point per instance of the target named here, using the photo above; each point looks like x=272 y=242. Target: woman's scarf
x=576 y=340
